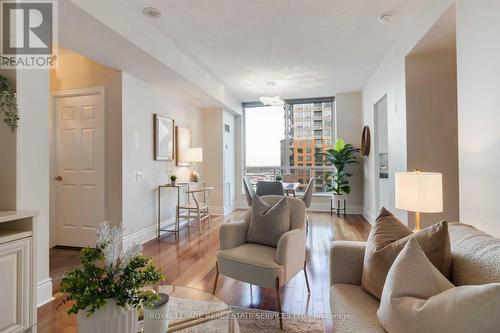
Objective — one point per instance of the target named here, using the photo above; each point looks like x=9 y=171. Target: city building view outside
x=292 y=142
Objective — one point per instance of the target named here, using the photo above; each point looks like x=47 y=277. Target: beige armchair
x=265 y=266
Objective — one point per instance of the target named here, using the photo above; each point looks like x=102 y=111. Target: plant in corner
x=106 y=290
x=8 y=103
x=340 y=156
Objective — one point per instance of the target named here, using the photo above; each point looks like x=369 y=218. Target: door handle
x=58 y=178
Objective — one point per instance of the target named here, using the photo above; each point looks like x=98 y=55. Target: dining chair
x=198 y=208
x=307 y=198
x=249 y=191
x=270 y=188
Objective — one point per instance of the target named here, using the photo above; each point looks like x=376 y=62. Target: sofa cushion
x=387 y=238
x=418 y=298
x=268 y=223
x=253 y=263
x=475 y=255
x=353 y=310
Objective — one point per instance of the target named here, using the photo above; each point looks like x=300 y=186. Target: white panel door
x=15 y=277
x=80 y=169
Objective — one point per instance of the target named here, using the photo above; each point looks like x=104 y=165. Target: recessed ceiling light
x=151 y=12
x=384 y=18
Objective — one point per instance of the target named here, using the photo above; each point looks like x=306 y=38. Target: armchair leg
x=307 y=280
x=279 y=302
x=216 y=278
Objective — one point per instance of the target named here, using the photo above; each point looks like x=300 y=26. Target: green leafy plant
x=173 y=178
x=279 y=178
x=340 y=156
x=8 y=103
x=109 y=272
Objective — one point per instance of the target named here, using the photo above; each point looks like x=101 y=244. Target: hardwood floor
x=189 y=260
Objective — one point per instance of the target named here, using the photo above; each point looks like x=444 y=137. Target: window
x=282 y=140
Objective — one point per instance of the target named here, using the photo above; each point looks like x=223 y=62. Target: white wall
x=478 y=54
x=8 y=149
x=348 y=123
x=33 y=165
x=139 y=101
x=389 y=78
x=431 y=114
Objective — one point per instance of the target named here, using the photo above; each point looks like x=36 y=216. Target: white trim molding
x=44 y=292
x=147 y=234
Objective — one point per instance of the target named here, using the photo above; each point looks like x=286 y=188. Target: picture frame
x=183 y=142
x=164 y=138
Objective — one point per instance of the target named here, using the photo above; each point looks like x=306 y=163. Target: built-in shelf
x=14 y=215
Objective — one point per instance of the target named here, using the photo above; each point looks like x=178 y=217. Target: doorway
x=78 y=185
x=382 y=174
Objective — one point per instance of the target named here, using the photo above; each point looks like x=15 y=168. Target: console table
x=177 y=186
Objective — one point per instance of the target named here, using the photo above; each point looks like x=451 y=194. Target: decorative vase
x=110 y=318
x=156 y=316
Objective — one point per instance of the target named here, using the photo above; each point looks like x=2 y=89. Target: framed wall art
x=163 y=138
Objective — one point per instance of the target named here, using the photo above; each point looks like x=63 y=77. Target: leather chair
x=261 y=265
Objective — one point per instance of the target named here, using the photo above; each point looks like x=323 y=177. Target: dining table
x=290 y=188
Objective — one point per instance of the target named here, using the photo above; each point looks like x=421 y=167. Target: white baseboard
x=369 y=217
x=44 y=292
x=147 y=234
x=217 y=210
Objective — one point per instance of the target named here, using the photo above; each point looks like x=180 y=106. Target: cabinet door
x=15 y=273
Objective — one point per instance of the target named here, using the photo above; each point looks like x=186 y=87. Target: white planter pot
x=110 y=318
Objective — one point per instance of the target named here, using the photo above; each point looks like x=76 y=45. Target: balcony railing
x=301 y=175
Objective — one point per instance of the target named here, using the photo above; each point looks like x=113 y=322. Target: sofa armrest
x=233 y=234
x=346 y=262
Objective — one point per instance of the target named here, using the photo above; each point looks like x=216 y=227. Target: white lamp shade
x=195 y=155
x=419 y=191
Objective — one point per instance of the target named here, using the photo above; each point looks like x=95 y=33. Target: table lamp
x=195 y=155
x=419 y=192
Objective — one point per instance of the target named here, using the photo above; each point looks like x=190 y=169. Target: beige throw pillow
x=418 y=298
x=268 y=224
x=387 y=238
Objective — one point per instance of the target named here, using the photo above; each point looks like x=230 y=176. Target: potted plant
x=106 y=290
x=173 y=178
x=337 y=181
x=279 y=178
x=8 y=103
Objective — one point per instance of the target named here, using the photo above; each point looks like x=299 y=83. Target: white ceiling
x=311 y=48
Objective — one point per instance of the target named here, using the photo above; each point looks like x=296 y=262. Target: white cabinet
x=17 y=271
x=15 y=275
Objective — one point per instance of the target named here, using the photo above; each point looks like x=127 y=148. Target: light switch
x=139 y=176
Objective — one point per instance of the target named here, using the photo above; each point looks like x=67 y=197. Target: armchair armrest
x=346 y=262
x=291 y=251
x=233 y=234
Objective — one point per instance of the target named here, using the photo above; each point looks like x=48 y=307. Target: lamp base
x=417 y=222
x=195 y=176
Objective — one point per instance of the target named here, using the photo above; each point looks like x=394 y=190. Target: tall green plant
x=340 y=156
x=8 y=103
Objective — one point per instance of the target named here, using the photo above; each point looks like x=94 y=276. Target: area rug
x=249 y=320
x=259 y=321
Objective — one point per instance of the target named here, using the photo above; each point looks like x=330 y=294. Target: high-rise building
x=308 y=131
